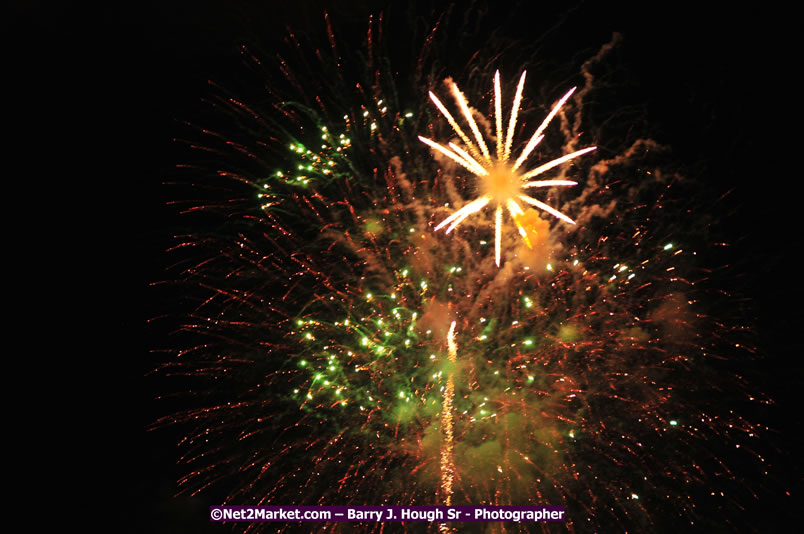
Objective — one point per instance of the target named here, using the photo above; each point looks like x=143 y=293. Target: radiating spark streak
x=472 y=207
x=480 y=204
x=497 y=234
x=454 y=157
x=556 y=162
x=472 y=149
x=478 y=168
x=548 y=183
x=512 y=123
x=498 y=113
x=515 y=210
x=536 y=135
x=471 y=120
x=535 y=140
x=545 y=207
x=448 y=444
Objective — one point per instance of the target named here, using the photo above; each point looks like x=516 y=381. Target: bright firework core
x=500 y=182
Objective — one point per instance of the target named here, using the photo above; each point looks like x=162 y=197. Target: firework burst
x=350 y=355
x=501 y=183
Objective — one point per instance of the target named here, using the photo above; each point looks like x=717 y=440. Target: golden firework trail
x=447 y=443
x=500 y=182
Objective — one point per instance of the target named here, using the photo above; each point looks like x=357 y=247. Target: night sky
x=715 y=86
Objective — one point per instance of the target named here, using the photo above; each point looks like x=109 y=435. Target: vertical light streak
x=497 y=233
x=498 y=114
x=512 y=123
x=447 y=443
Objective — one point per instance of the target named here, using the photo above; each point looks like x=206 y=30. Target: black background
x=98 y=94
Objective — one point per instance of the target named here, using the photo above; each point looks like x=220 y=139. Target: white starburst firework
x=500 y=182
